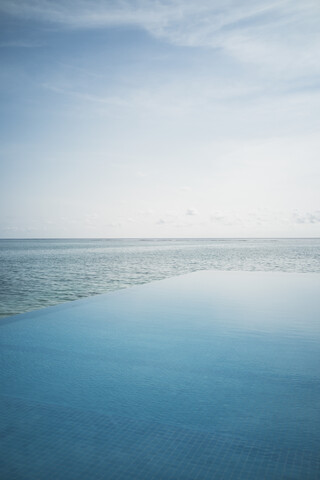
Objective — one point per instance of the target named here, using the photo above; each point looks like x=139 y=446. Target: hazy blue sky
x=159 y=118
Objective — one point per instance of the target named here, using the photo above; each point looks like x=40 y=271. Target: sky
x=163 y=118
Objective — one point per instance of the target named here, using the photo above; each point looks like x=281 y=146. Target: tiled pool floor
x=213 y=375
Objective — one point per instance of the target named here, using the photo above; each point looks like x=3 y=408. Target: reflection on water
x=39 y=273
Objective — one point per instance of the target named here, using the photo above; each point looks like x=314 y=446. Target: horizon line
x=159 y=238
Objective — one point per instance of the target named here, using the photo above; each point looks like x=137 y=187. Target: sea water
x=39 y=273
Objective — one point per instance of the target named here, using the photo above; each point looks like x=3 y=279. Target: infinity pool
x=211 y=375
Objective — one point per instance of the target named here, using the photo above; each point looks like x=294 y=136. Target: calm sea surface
x=40 y=273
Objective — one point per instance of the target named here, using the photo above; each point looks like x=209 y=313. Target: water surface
x=211 y=375
x=39 y=273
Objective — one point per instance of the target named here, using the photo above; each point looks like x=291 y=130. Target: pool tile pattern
x=53 y=427
x=71 y=443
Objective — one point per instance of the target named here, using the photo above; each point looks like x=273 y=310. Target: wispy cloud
x=280 y=35
x=212 y=104
x=104 y=100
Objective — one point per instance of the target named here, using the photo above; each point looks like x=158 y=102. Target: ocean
x=40 y=273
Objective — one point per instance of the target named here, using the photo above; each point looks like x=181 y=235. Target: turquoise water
x=39 y=273
x=211 y=375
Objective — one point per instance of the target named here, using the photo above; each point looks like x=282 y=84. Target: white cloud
x=114 y=225
x=218 y=217
x=191 y=211
x=307 y=217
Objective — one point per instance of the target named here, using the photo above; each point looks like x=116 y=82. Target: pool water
x=210 y=375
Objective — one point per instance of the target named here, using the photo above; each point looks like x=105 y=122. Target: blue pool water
x=39 y=273
x=210 y=375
